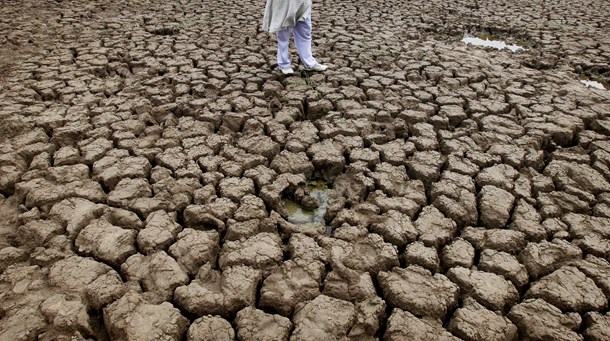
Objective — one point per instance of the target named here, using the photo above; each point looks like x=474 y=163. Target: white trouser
x=302 y=39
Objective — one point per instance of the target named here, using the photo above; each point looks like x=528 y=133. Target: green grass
x=308 y=81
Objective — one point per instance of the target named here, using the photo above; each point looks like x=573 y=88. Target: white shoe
x=287 y=71
x=318 y=67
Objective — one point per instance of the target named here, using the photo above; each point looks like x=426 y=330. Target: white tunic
x=280 y=14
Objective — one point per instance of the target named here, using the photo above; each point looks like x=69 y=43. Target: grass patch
x=307 y=78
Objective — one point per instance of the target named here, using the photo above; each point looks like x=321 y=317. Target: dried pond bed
x=147 y=154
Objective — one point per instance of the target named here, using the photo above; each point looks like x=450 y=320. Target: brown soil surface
x=158 y=174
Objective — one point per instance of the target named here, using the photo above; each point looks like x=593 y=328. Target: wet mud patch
x=169 y=30
x=11 y=54
x=4 y=71
x=9 y=212
x=173 y=26
x=306 y=213
x=509 y=36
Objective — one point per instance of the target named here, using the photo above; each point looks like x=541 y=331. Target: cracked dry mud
x=148 y=148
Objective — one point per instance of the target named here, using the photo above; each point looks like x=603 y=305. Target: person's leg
x=283 y=42
x=302 y=39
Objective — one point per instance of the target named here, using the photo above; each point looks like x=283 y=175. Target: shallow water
x=593 y=84
x=297 y=214
x=498 y=44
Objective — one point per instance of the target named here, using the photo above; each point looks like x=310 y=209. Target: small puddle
x=486 y=42
x=299 y=215
x=589 y=83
